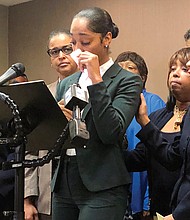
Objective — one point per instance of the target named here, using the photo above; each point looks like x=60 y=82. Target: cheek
x=169 y=80
x=186 y=81
x=186 y=89
x=53 y=62
x=96 y=48
x=78 y=45
x=55 y=66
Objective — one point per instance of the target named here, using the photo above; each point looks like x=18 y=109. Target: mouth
x=174 y=83
x=63 y=64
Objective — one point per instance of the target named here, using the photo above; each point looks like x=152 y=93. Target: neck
x=61 y=77
x=102 y=61
x=182 y=105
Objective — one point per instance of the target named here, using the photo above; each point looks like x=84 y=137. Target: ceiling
x=12 y=2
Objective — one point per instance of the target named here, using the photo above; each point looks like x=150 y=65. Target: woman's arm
x=165 y=153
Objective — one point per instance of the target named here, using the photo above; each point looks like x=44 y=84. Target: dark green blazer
x=112 y=105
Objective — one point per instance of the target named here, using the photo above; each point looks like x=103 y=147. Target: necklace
x=179 y=115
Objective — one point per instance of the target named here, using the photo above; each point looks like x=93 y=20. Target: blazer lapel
x=110 y=74
x=86 y=110
x=108 y=77
x=74 y=79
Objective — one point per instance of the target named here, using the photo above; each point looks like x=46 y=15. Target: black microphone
x=14 y=71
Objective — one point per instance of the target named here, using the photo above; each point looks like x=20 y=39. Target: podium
x=43 y=123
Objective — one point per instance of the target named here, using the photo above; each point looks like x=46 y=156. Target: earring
x=106 y=46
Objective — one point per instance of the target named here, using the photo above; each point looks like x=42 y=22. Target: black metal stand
x=19 y=164
x=18 y=141
x=18 y=138
x=19 y=184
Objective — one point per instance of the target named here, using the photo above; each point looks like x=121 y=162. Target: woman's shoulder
x=161 y=115
x=162 y=111
x=69 y=78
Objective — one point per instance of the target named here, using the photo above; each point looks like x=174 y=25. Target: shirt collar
x=85 y=81
x=104 y=67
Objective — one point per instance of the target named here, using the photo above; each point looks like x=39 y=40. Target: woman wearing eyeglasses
x=37 y=203
x=59 y=48
x=91 y=181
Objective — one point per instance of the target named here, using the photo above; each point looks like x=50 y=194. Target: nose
x=176 y=73
x=61 y=54
x=78 y=46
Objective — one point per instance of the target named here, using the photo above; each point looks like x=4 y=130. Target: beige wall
x=153 y=28
x=3 y=39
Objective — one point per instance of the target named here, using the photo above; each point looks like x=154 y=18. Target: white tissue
x=75 y=55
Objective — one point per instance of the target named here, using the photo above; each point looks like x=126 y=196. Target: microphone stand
x=18 y=213
x=19 y=141
x=19 y=184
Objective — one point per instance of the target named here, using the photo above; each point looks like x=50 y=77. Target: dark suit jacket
x=161 y=180
x=172 y=157
x=112 y=105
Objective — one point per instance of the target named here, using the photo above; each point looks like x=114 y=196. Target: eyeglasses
x=67 y=49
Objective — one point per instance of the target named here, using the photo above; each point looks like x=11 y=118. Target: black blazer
x=172 y=157
x=112 y=105
x=161 y=180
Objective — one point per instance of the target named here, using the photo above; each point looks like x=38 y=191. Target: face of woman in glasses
x=61 y=61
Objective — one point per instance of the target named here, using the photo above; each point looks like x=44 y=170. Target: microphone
x=75 y=96
x=14 y=71
x=76 y=99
